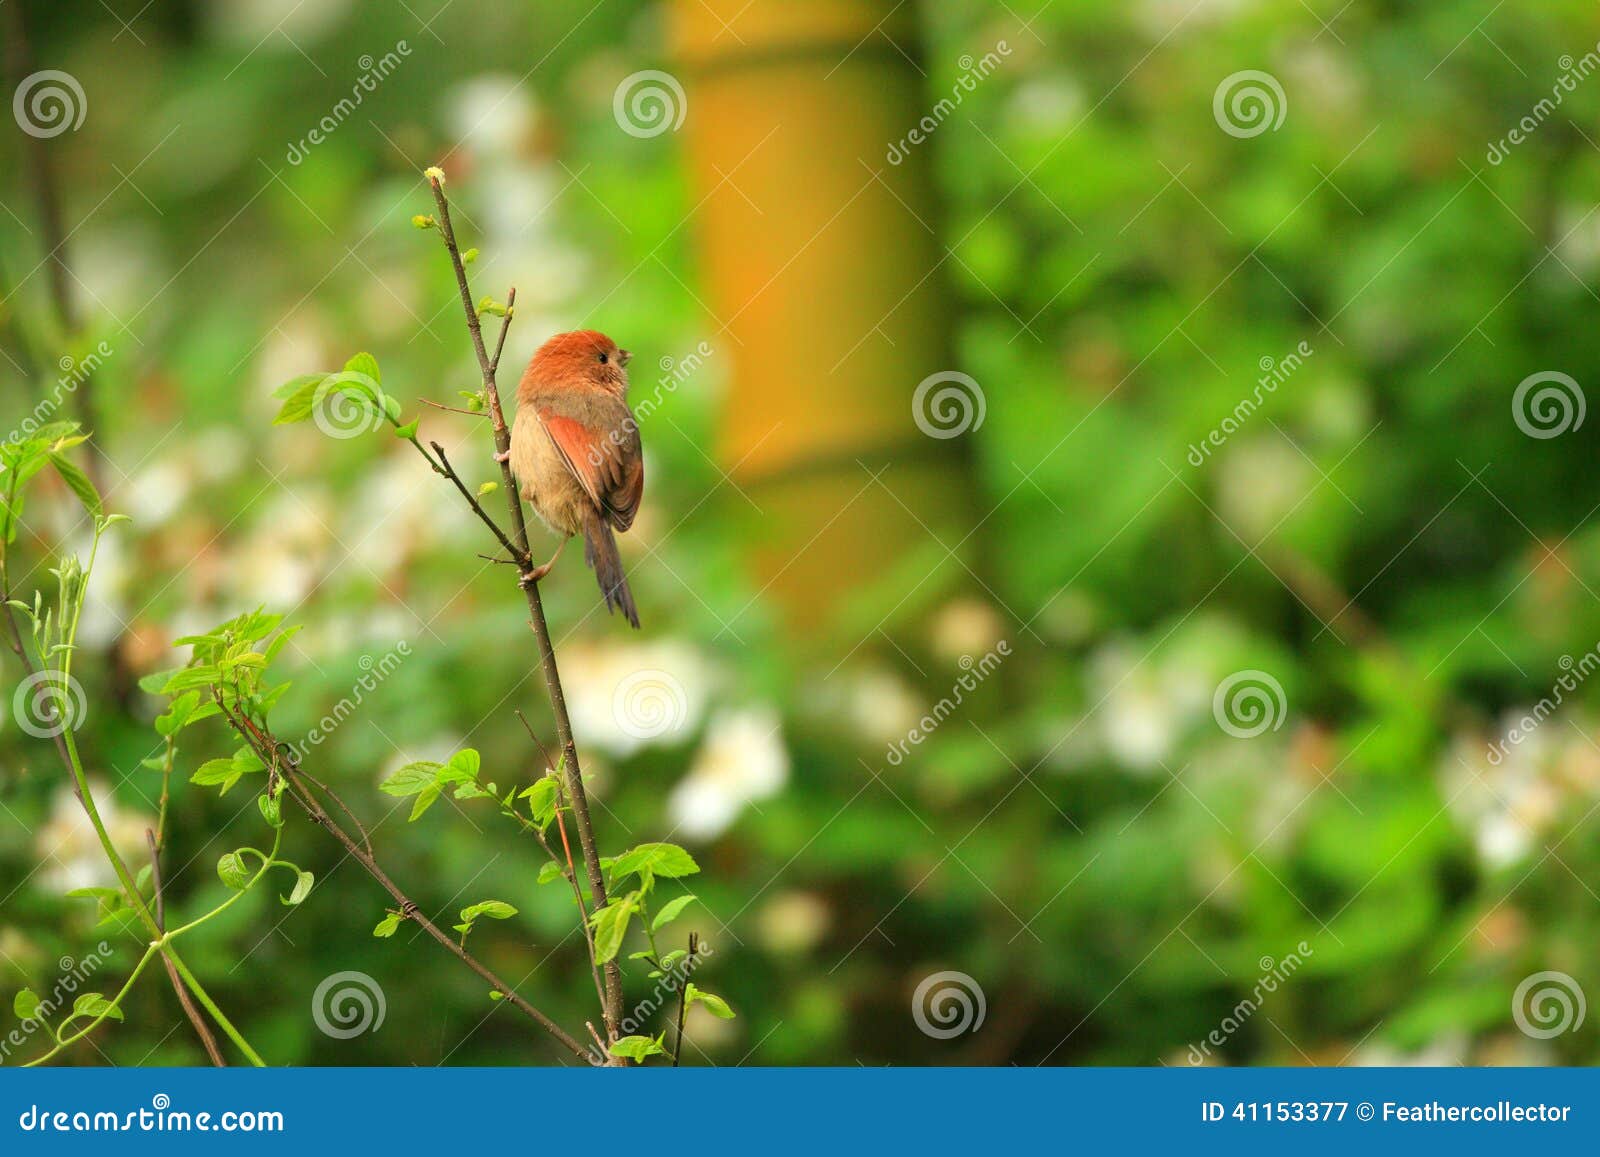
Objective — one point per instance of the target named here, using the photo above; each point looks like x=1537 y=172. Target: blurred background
x=1118 y=565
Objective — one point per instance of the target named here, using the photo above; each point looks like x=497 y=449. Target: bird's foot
x=533 y=574
x=503 y=456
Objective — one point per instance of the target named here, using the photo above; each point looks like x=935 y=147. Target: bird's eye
x=604 y=359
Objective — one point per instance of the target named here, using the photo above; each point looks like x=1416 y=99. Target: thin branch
x=569 y=870
x=454 y=409
x=47 y=195
x=189 y=1010
x=449 y=471
x=271 y=750
x=683 y=994
x=612 y=1005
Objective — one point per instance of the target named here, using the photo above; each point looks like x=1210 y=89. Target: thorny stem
x=612 y=1005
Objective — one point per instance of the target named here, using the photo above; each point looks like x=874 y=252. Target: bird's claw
x=528 y=577
x=503 y=456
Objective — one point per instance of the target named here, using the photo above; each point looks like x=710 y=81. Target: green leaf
x=637 y=1048
x=366 y=365
x=231 y=868
x=670 y=911
x=425 y=800
x=551 y=871
x=494 y=909
x=300 y=401
x=488 y=488
x=215 y=771
x=301 y=889
x=715 y=1005
x=408 y=431
x=611 y=925
x=295 y=384
x=25 y=1004
x=271 y=808
x=542 y=797
x=465 y=762
x=667 y=860
x=78 y=482
x=387 y=926
x=95 y=1004
x=411 y=779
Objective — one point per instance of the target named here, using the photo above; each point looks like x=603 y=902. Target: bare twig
x=612 y=1005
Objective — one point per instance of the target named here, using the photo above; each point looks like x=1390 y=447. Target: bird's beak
x=624 y=357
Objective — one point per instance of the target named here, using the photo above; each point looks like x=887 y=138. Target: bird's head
x=582 y=359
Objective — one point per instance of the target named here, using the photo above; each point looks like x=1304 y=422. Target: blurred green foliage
x=1112 y=867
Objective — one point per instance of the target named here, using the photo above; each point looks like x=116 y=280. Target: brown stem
x=612 y=1006
x=270 y=751
x=189 y=1010
x=569 y=869
x=683 y=994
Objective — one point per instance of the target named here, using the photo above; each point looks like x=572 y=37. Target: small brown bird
x=575 y=453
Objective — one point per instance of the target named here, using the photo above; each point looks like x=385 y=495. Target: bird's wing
x=605 y=459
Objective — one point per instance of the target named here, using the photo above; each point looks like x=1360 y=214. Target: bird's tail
x=600 y=552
